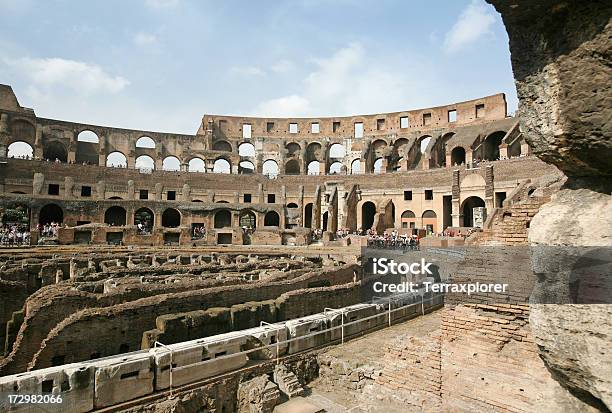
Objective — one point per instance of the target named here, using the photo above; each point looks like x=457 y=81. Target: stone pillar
x=456 y=191
x=38 y=146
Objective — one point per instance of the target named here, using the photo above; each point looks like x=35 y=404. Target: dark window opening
x=171 y=196
x=53 y=189
x=480 y=110
x=429 y=194
x=144 y=194
x=407 y=195
x=247 y=198
x=130 y=374
x=47 y=386
x=336 y=126
x=269 y=126
x=86 y=191
x=271 y=198
x=380 y=124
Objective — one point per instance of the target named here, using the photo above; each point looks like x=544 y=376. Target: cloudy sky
x=161 y=64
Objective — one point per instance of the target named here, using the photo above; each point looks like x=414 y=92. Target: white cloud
x=285 y=106
x=162 y=4
x=475 y=21
x=350 y=81
x=247 y=70
x=83 y=78
x=144 y=39
x=283 y=66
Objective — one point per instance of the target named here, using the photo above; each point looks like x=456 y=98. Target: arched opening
x=115 y=197
x=222 y=166
x=88 y=136
x=197 y=165
x=292 y=205
x=171 y=163
x=144 y=218
x=223 y=146
x=21 y=150
x=292 y=167
x=335 y=168
x=171 y=218
x=313 y=151
x=50 y=213
x=325 y=219
x=55 y=151
x=145 y=142
x=378 y=165
x=223 y=219
x=458 y=156
x=356 y=167
x=438 y=153
x=145 y=162
x=491 y=146
x=271 y=219
x=314 y=167
x=246 y=167
x=270 y=168
x=424 y=143
x=430 y=220
x=337 y=151
x=246 y=149
x=248 y=219
x=408 y=219
x=116 y=160
x=293 y=149
x=368 y=210
x=115 y=216
x=308 y=216
x=467 y=209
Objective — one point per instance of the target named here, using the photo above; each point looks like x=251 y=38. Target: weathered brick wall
x=511 y=225
x=14 y=295
x=413 y=366
x=103 y=331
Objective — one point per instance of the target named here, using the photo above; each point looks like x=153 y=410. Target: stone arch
x=368 y=211
x=292 y=167
x=145 y=142
x=292 y=205
x=171 y=218
x=223 y=146
x=88 y=136
x=144 y=162
x=467 y=209
x=145 y=217
x=197 y=165
x=248 y=219
x=377 y=166
x=271 y=219
x=430 y=220
x=20 y=149
x=115 y=216
x=490 y=146
x=438 y=151
x=335 y=168
x=308 y=215
x=223 y=219
x=293 y=148
x=116 y=160
x=356 y=167
x=222 y=166
x=23 y=130
x=313 y=152
x=270 y=168
x=171 y=163
x=458 y=156
x=53 y=150
x=337 y=151
x=51 y=213
x=408 y=219
x=314 y=167
x=246 y=167
x=246 y=149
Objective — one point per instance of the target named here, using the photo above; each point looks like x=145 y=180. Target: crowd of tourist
x=198 y=231
x=144 y=228
x=14 y=235
x=48 y=230
x=392 y=240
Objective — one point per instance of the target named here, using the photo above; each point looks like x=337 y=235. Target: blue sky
x=161 y=64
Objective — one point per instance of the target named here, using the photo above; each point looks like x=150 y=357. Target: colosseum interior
x=226 y=271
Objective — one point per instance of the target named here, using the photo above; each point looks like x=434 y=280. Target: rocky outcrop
x=562 y=65
x=258 y=395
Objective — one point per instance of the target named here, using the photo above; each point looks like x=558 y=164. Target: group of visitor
x=342 y=233
x=48 y=230
x=392 y=240
x=198 y=232
x=144 y=228
x=14 y=235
